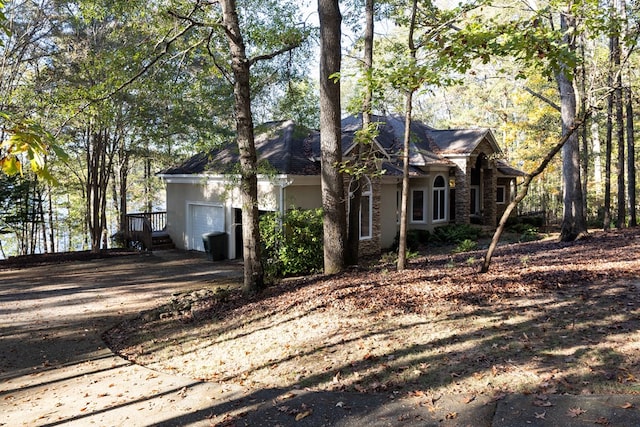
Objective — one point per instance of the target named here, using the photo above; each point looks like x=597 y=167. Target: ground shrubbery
x=452 y=234
x=292 y=245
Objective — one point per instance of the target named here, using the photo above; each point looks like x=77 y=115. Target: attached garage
x=203 y=218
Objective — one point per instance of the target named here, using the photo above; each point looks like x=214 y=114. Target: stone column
x=463 y=172
x=490 y=188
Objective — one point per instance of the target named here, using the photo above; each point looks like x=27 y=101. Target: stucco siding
x=303 y=196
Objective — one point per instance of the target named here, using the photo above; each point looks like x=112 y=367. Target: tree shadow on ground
x=538 y=328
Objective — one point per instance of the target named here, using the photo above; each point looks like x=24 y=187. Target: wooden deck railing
x=139 y=227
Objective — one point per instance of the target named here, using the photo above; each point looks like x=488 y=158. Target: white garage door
x=204 y=219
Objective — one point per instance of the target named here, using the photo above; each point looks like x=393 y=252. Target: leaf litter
x=548 y=318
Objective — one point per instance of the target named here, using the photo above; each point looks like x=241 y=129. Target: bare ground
x=548 y=318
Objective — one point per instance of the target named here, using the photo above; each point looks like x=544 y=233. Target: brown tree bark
x=574 y=224
x=619 y=111
x=404 y=207
x=253 y=271
x=631 y=164
x=355 y=197
x=333 y=200
x=524 y=189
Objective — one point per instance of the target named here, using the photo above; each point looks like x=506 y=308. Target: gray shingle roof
x=293 y=149
x=287 y=148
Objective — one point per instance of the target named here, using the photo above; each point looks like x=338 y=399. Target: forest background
x=118 y=90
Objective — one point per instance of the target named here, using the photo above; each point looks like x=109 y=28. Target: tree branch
x=272 y=55
x=525 y=189
x=542 y=98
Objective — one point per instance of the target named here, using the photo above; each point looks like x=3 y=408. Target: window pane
x=365 y=216
x=439 y=205
x=417 y=205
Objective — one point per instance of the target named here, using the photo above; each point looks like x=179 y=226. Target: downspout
x=283 y=182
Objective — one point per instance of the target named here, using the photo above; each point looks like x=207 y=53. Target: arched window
x=366 y=206
x=439 y=199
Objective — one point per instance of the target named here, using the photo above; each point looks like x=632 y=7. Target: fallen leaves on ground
x=548 y=318
x=575 y=412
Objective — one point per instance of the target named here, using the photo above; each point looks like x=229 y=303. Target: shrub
x=466 y=246
x=292 y=245
x=415 y=238
x=529 y=234
x=456 y=233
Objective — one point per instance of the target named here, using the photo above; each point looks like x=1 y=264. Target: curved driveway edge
x=54 y=368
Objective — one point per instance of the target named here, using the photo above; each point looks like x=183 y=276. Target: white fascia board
x=190 y=178
x=279 y=180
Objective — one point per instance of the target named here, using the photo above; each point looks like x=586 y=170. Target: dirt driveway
x=54 y=368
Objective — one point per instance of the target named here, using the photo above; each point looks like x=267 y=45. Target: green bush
x=415 y=238
x=292 y=245
x=466 y=246
x=529 y=234
x=456 y=233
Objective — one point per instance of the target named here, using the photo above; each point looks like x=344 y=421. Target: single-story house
x=456 y=176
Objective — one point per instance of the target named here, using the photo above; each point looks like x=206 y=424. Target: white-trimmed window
x=439 y=199
x=418 y=206
x=500 y=194
x=366 y=207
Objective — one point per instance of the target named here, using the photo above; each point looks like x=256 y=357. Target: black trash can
x=215 y=245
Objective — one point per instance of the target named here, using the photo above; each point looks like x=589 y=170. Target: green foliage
x=292 y=245
x=466 y=245
x=3 y=23
x=530 y=234
x=456 y=234
x=26 y=138
x=415 y=239
x=527 y=226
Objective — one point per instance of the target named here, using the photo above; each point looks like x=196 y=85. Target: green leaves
x=26 y=139
x=3 y=23
x=292 y=245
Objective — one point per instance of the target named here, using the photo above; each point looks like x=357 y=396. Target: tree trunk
x=631 y=164
x=606 y=220
x=52 y=223
x=355 y=198
x=584 y=134
x=617 y=96
x=524 y=189
x=628 y=100
x=353 y=236
x=597 y=158
x=404 y=203
x=333 y=201
x=253 y=271
x=574 y=224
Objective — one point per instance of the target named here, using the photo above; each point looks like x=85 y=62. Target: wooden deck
x=147 y=231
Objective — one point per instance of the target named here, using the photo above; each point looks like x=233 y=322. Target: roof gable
x=285 y=146
x=461 y=141
x=289 y=148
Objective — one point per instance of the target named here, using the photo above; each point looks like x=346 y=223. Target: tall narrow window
x=439 y=199
x=474 y=200
x=500 y=194
x=366 y=208
x=417 y=206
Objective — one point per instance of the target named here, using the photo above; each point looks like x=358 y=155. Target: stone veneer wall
x=463 y=172
x=490 y=185
x=370 y=246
